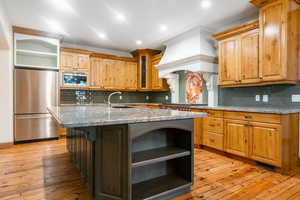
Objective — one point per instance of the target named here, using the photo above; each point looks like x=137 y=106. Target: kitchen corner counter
x=269 y=110
x=98 y=115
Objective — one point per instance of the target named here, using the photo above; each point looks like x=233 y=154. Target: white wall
x=6 y=78
x=98 y=50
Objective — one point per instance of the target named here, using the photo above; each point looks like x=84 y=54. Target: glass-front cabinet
x=36 y=52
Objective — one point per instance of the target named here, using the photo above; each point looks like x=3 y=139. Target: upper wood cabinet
x=71 y=62
x=157 y=83
x=97 y=73
x=113 y=74
x=249 y=61
x=279 y=37
x=238 y=55
x=108 y=72
x=229 y=61
x=268 y=55
x=144 y=68
x=148 y=79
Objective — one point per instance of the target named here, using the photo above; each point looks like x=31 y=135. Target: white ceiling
x=82 y=21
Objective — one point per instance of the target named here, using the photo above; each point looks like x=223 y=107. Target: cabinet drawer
x=214 y=124
x=214 y=113
x=258 y=117
x=213 y=140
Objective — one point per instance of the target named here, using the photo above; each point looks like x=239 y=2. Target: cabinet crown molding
x=237 y=30
x=261 y=3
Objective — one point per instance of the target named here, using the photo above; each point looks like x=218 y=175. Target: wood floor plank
x=44 y=171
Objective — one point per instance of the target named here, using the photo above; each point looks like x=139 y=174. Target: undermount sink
x=122 y=106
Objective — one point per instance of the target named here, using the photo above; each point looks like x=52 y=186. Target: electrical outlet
x=121 y=97
x=147 y=97
x=265 y=98
x=257 y=98
x=296 y=98
x=167 y=97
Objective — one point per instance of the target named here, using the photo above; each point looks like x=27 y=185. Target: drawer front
x=215 y=113
x=258 y=117
x=213 y=140
x=214 y=124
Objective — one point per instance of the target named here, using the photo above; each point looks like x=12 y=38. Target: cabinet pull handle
x=248 y=117
x=212 y=140
x=246 y=141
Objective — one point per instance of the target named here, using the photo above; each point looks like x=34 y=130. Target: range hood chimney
x=192 y=51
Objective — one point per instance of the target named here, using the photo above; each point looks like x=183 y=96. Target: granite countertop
x=270 y=110
x=98 y=115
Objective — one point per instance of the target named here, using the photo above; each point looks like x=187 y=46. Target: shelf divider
x=152 y=156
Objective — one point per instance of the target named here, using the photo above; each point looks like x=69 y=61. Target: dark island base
x=151 y=160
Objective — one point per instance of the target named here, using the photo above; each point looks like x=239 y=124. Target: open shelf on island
x=157 y=186
x=157 y=155
x=161 y=162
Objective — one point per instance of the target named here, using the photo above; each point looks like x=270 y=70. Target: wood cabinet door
x=229 y=61
x=250 y=57
x=67 y=61
x=157 y=83
x=272 y=37
x=94 y=73
x=83 y=62
x=236 y=137
x=265 y=145
x=132 y=75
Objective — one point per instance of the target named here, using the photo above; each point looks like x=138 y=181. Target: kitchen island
x=130 y=153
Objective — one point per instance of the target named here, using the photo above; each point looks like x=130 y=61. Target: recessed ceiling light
x=206 y=3
x=120 y=17
x=138 y=42
x=163 y=28
x=102 y=36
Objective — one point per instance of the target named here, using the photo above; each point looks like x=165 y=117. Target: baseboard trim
x=6 y=145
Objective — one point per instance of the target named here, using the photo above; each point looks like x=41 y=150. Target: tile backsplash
x=84 y=97
x=279 y=96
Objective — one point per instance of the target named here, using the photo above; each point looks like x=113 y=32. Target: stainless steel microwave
x=74 y=79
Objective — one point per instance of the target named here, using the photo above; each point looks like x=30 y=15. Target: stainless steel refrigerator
x=34 y=90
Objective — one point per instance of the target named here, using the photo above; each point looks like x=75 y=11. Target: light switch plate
x=296 y=98
x=265 y=98
x=121 y=97
x=147 y=97
x=257 y=97
x=167 y=97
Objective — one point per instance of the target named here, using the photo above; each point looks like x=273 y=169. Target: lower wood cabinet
x=213 y=140
x=264 y=143
x=267 y=138
x=236 y=137
x=258 y=141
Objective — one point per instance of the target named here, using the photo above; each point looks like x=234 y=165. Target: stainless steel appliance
x=34 y=90
x=74 y=79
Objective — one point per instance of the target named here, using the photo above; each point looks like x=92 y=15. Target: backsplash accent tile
x=279 y=96
x=69 y=97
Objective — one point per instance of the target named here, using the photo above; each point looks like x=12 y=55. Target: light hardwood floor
x=44 y=171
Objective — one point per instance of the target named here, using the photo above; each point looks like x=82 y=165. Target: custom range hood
x=192 y=51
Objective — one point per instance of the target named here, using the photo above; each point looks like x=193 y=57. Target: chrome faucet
x=108 y=101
